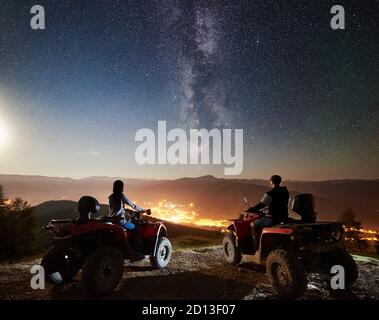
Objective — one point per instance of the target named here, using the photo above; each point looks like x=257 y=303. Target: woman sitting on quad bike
x=99 y=246
x=117 y=201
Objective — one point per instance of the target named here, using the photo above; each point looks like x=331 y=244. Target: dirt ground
x=192 y=274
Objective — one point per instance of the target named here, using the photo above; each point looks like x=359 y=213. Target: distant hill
x=213 y=197
x=54 y=210
x=61 y=209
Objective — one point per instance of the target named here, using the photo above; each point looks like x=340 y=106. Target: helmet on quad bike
x=88 y=205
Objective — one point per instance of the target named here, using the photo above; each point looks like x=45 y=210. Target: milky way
x=195 y=36
x=306 y=96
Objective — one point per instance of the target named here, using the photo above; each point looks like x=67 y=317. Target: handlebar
x=261 y=212
x=136 y=215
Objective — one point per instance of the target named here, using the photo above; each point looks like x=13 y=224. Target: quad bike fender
x=100 y=234
x=272 y=238
x=61 y=242
x=63 y=239
x=230 y=227
x=96 y=226
x=242 y=229
x=161 y=232
x=285 y=231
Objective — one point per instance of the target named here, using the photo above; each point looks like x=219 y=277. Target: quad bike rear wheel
x=232 y=253
x=102 y=271
x=343 y=258
x=65 y=261
x=286 y=273
x=162 y=255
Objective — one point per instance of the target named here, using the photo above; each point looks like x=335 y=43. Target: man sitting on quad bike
x=277 y=200
x=290 y=248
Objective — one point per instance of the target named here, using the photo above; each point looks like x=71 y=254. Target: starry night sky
x=72 y=96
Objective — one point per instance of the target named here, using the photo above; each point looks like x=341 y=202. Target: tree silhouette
x=17 y=228
x=2 y=198
x=356 y=243
x=347 y=218
x=377 y=247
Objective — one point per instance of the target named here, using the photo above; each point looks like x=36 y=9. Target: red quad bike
x=290 y=250
x=100 y=246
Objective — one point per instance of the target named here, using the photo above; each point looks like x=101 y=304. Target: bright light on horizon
x=183 y=214
x=3 y=134
x=4 y=126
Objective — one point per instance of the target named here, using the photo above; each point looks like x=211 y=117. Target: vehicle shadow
x=184 y=286
x=222 y=282
x=251 y=266
x=138 y=268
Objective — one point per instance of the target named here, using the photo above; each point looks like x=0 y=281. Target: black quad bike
x=99 y=247
x=291 y=250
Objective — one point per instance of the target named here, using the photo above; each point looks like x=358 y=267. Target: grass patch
x=365 y=254
x=183 y=243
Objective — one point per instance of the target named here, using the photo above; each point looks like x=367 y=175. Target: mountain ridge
x=214 y=198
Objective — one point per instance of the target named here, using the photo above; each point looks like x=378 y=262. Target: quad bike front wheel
x=232 y=253
x=102 y=271
x=65 y=261
x=162 y=255
x=286 y=273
